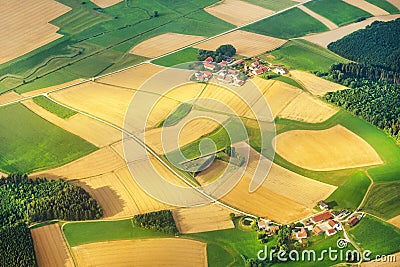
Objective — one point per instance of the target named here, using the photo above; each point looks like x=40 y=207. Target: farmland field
x=386 y=5
x=246 y=43
x=271 y=4
x=331 y=149
x=55 y=108
x=303 y=55
x=31 y=143
x=163 y=44
x=322 y=19
x=50 y=247
x=383 y=240
x=351 y=193
x=368 y=7
x=237 y=12
x=383 y=200
x=105 y=3
x=289 y=24
x=29 y=27
x=89 y=129
x=170 y=252
x=337 y=11
x=183 y=56
x=325 y=38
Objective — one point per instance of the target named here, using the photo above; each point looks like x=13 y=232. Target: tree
x=227 y=50
x=155 y=13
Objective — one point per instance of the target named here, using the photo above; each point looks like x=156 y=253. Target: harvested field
x=144 y=202
x=382 y=263
x=246 y=43
x=189 y=129
x=103 y=101
x=133 y=77
x=331 y=149
x=112 y=195
x=395 y=221
x=163 y=44
x=237 y=12
x=9 y=97
x=283 y=197
x=314 y=84
x=29 y=28
x=307 y=108
x=99 y=162
x=89 y=129
x=277 y=94
x=366 y=6
x=105 y=3
x=138 y=252
x=325 y=38
x=50 y=247
x=202 y=219
x=322 y=19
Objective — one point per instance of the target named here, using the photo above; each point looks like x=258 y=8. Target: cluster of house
x=269 y=228
x=231 y=77
x=258 y=67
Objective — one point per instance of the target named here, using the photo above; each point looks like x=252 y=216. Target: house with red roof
x=209 y=66
x=335 y=225
x=353 y=221
x=330 y=232
x=318 y=230
x=209 y=60
x=322 y=217
x=301 y=234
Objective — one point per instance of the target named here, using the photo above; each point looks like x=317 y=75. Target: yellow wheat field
x=306 y=108
x=202 y=219
x=163 y=44
x=105 y=3
x=331 y=149
x=316 y=85
x=366 y=6
x=237 y=12
x=50 y=247
x=246 y=43
x=25 y=26
x=143 y=252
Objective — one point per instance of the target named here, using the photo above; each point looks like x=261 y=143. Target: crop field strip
x=325 y=38
x=106 y=3
x=322 y=19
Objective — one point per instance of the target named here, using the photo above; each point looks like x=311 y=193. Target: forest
x=162 y=221
x=33 y=200
x=377 y=45
x=16 y=247
x=377 y=102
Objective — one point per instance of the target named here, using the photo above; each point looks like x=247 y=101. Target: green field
x=53 y=107
x=337 y=11
x=289 y=24
x=381 y=238
x=385 y=5
x=303 y=55
x=98 y=41
x=383 y=200
x=272 y=4
x=30 y=143
x=89 y=232
x=183 y=56
x=289 y=80
x=351 y=193
x=177 y=115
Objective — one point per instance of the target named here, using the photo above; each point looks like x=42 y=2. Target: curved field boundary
x=322 y=19
x=366 y=6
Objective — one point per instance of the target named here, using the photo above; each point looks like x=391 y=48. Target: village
x=327 y=223
x=234 y=72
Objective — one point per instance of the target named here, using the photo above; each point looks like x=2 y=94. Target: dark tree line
x=161 y=221
x=28 y=200
x=377 y=45
x=343 y=71
x=377 y=102
x=16 y=247
x=220 y=54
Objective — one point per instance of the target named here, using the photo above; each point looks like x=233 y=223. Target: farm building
x=318 y=230
x=353 y=221
x=209 y=66
x=301 y=234
x=262 y=225
x=330 y=232
x=208 y=60
x=323 y=205
x=322 y=217
x=335 y=225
